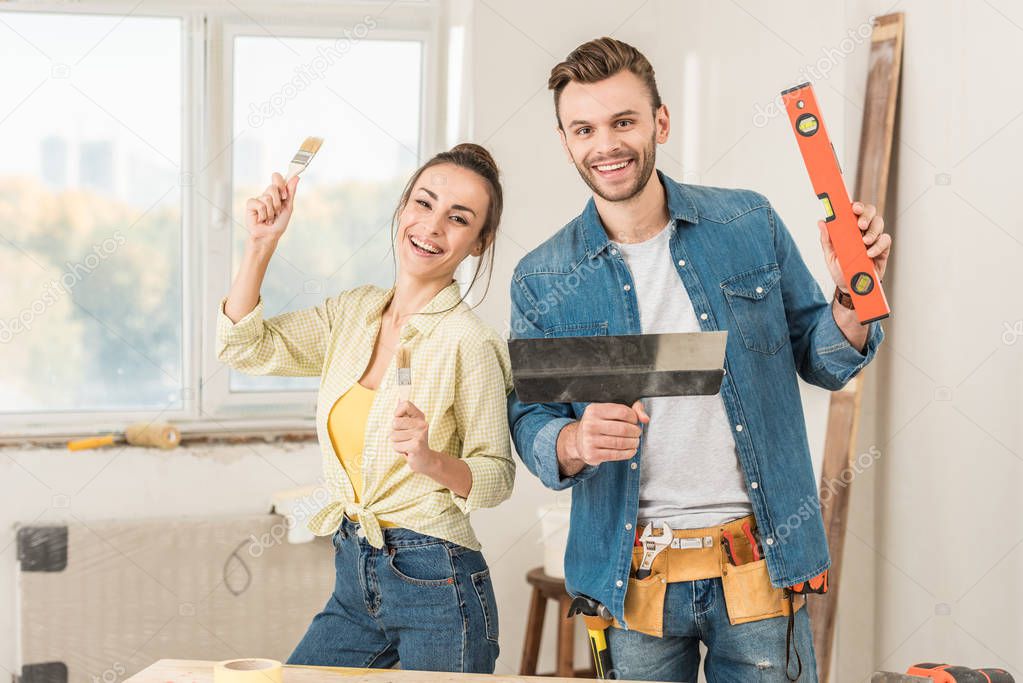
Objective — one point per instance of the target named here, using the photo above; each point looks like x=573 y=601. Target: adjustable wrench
x=652 y=547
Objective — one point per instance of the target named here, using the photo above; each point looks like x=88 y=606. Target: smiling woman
x=412 y=442
x=469 y=227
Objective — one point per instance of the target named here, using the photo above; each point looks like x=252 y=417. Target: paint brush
x=303 y=156
x=403 y=370
x=403 y=374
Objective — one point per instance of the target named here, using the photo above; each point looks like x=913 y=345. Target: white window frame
x=207 y=89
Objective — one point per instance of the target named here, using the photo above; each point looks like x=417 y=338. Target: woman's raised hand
x=267 y=216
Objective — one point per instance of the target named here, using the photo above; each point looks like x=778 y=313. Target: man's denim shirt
x=743 y=273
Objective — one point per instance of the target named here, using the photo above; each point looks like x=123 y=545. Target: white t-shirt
x=690 y=475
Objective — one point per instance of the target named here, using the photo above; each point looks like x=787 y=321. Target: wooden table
x=198 y=671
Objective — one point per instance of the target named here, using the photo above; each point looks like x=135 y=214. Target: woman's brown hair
x=474 y=158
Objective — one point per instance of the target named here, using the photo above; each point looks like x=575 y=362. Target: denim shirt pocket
x=587 y=329
x=755 y=301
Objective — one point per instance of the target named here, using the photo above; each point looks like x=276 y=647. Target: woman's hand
x=267 y=216
x=410 y=436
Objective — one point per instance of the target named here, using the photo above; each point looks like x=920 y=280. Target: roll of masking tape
x=247 y=671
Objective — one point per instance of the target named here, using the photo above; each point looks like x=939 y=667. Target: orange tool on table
x=861 y=277
x=943 y=673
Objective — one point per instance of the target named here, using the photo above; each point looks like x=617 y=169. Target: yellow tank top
x=346 y=425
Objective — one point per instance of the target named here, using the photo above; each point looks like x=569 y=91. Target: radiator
x=97 y=602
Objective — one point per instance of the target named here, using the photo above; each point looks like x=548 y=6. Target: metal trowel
x=617 y=369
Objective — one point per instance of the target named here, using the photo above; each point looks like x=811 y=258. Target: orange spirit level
x=826 y=176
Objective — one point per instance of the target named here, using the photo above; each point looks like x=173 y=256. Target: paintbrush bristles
x=403 y=365
x=403 y=357
x=311 y=145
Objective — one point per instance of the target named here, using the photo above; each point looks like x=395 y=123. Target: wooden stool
x=549 y=588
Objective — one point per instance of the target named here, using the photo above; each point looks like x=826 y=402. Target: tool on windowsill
x=821 y=162
x=299 y=162
x=597 y=618
x=155 y=434
x=943 y=673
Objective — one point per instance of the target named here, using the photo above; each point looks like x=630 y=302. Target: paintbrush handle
x=294 y=170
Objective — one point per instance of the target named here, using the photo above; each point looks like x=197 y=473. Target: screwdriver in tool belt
x=728 y=542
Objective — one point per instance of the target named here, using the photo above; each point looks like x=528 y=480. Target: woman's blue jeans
x=420 y=601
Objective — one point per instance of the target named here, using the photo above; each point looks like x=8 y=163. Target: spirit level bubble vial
x=826 y=177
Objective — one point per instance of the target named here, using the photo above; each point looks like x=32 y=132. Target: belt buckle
x=693 y=543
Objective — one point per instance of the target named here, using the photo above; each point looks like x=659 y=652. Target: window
x=365 y=104
x=91 y=130
x=130 y=145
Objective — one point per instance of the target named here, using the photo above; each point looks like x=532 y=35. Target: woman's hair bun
x=477 y=153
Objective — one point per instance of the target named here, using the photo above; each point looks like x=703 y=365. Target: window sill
x=227 y=433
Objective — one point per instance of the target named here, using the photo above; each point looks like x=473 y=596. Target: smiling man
x=730 y=474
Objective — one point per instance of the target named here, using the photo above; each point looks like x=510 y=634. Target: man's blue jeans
x=421 y=601
x=695 y=611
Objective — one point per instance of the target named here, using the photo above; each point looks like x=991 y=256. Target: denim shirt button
x=627 y=287
x=682 y=262
x=770 y=541
x=703 y=316
x=618 y=583
x=754 y=485
x=633 y=466
x=738 y=428
x=628 y=526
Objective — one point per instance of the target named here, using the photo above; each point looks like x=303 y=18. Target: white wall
x=949 y=517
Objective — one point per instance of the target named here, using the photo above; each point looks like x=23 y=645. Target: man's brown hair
x=599 y=59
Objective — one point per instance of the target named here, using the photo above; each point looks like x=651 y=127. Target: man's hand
x=606 y=432
x=877 y=241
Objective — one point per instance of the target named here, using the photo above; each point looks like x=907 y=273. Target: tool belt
x=696 y=554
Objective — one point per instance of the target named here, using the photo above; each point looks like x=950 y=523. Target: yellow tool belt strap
x=749 y=595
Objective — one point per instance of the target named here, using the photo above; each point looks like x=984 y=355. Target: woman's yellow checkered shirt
x=461 y=376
